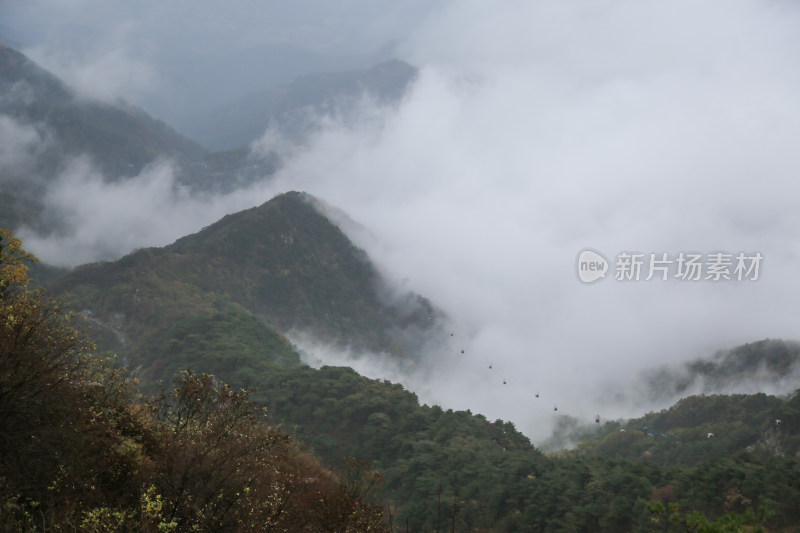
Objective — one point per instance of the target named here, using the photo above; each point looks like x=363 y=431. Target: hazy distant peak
x=769 y=364
x=393 y=65
x=120 y=138
x=291 y=107
x=16 y=68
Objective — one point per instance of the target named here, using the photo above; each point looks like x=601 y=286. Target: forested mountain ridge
x=80 y=450
x=283 y=262
x=706 y=421
x=121 y=139
x=701 y=428
x=46 y=127
x=768 y=363
x=489 y=475
x=445 y=468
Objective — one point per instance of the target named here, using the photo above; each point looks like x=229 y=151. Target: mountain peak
x=283 y=261
x=288 y=107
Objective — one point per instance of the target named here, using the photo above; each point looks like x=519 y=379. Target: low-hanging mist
x=536 y=131
x=103 y=220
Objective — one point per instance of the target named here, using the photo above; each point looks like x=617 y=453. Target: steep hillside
x=441 y=469
x=81 y=451
x=462 y=470
x=445 y=469
x=121 y=139
x=45 y=125
x=283 y=262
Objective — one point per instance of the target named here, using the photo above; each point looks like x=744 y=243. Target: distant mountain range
x=59 y=126
x=292 y=108
x=121 y=139
x=769 y=364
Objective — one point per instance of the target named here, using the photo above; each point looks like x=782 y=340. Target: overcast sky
x=536 y=130
x=180 y=57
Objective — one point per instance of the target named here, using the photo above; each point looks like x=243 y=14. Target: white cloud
x=19 y=144
x=107 y=72
x=536 y=130
x=103 y=220
x=183 y=57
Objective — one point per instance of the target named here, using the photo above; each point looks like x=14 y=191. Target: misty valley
x=335 y=297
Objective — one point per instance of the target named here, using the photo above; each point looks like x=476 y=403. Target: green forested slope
x=80 y=450
x=441 y=463
x=282 y=262
x=209 y=302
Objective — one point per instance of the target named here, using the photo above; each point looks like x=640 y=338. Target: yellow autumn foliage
x=13 y=270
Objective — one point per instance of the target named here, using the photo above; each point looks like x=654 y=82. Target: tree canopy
x=80 y=449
